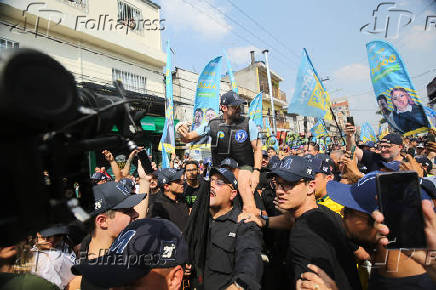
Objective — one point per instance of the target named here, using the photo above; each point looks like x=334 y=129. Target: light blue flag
x=367 y=133
x=230 y=71
x=396 y=96
x=431 y=115
x=255 y=110
x=319 y=129
x=165 y=159
x=310 y=97
x=271 y=140
x=207 y=99
x=167 y=142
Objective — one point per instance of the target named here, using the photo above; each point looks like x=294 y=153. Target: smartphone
x=145 y=161
x=399 y=200
x=350 y=120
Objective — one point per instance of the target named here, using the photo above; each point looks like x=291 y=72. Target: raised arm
x=114 y=165
x=144 y=187
x=350 y=132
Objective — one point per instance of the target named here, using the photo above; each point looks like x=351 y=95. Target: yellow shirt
x=332 y=205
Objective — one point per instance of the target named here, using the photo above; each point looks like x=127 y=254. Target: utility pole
x=268 y=74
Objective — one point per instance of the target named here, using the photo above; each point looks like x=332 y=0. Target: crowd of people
x=292 y=218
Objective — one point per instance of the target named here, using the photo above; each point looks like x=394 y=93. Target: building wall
x=90 y=54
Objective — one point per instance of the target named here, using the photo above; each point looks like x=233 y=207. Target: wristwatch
x=266 y=219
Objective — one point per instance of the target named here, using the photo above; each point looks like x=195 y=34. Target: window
x=129 y=15
x=131 y=82
x=4 y=43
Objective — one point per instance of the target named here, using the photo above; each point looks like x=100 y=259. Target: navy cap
x=114 y=195
x=229 y=162
x=170 y=174
x=232 y=99
x=361 y=196
x=264 y=153
x=98 y=176
x=54 y=230
x=392 y=138
x=392 y=165
x=143 y=245
x=369 y=144
x=227 y=174
x=274 y=162
x=320 y=164
x=129 y=183
x=293 y=168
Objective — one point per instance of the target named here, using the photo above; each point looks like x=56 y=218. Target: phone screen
x=350 y=120
x=145 y=161
x=399 y=200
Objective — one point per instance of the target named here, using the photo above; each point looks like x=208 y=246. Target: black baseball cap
x=293 y=168
x=425 y=162
x=170 y=174
x=232 y=99
x=114 y=195
x=229 y=163
x=99 y=176
x=54 y=230
x=320 y=164
x=143 y=245
x=227 y=174
x=392 y=138
x=273 y=163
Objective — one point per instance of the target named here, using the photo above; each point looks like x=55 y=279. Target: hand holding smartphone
x=145 y=162
x=399 y=199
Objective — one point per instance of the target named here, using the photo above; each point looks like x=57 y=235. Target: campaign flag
x=165 y=159
x=396 y=96
x=271 y=140
x=167 y=141
x=255 y=110
x=367 y=133
x=383 y=130
x=207 y=100
x=319 y=129
x=310 y=97
x=431 y=115
x=230 y=72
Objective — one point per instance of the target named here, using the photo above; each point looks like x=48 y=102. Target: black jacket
x=174 y=210
x=233 y=253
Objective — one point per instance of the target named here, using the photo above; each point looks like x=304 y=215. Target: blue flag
x=271 y=140
x=167 y=142
x=255 y=110
x=431 y=115
x=367 y=133
x=231 y=76
x=310 y=97
x=396 y=96
x=207 y=99
x=319 y=129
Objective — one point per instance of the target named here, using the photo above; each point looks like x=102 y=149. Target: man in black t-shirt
x=315 y=237
x=170 y=203
x=192 y=183
x=391 y=146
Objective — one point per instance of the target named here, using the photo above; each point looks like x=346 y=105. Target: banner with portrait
x=396 y=96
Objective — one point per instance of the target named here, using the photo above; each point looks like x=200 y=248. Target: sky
x=199 y=30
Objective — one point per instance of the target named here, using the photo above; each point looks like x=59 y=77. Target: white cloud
x=418 y=39
x=199 y=17
x=241 y=55
x=352 y=73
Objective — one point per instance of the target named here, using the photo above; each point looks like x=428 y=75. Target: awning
x=155 y=124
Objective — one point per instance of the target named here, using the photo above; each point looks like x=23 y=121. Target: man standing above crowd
x=233 y=136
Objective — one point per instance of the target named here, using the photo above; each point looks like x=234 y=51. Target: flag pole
x=268 y=74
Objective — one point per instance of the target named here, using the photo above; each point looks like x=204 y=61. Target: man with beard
x=391 y=146
x=233 y=136
x=192 y=183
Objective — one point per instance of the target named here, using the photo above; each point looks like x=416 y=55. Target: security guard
x=232 y=258
x=233 y=136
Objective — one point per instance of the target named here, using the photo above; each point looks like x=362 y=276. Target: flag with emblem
x=367 y=133
x=168 y=140
x=270 y=140
x=319 y=129
x=255 y=110
x=395 y=93
x=310 y=97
